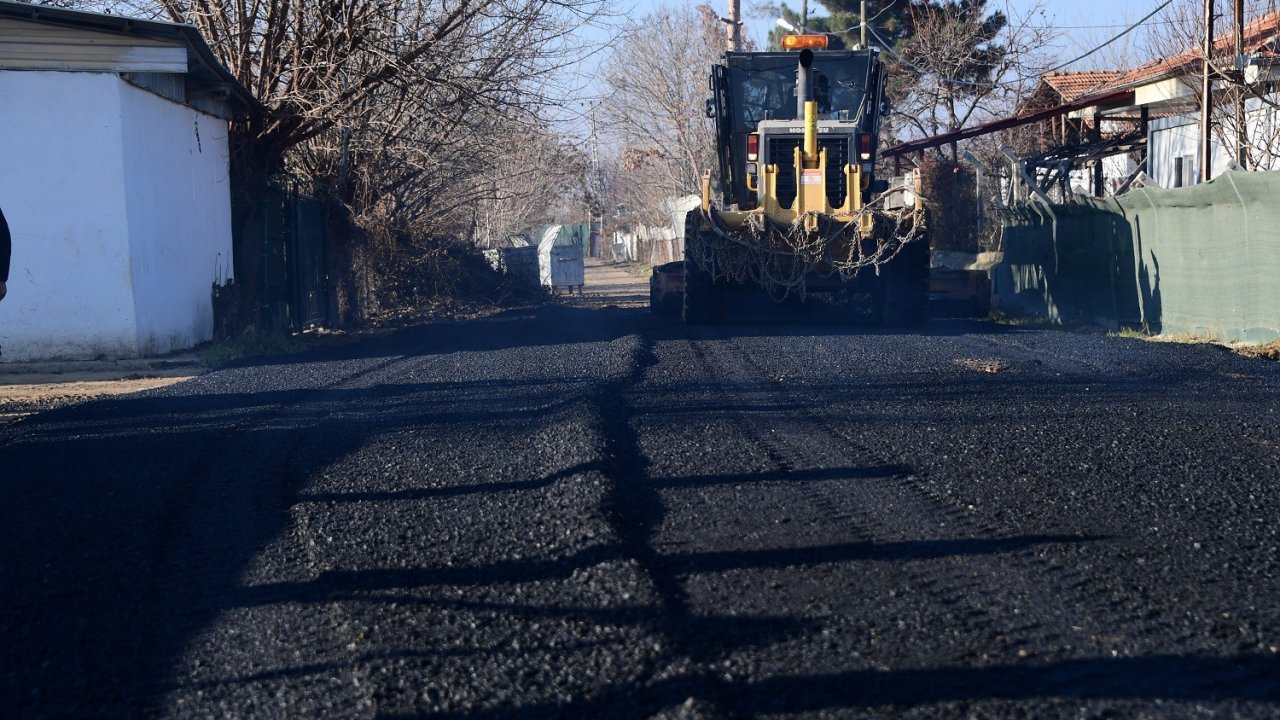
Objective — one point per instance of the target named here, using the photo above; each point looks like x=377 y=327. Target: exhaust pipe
x=807 y=109
x=802 y=81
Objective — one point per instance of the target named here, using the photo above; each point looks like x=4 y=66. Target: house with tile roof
x=1166 y=94
x=1073 y=152
x=1094 y=132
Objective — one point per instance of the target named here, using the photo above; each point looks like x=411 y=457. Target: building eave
x=202 y=64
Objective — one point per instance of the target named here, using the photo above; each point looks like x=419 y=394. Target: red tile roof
x=1071 y=85
x=1259 y=36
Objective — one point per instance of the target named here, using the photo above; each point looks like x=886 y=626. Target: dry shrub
x=952 y=203
x=408 y=277
x=1269 y=351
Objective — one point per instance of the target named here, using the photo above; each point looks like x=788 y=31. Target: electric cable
x=1016 y=81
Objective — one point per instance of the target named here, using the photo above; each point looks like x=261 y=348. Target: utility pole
x=804 y=16
x=863 y=10
x=595 y=227
x=735 y=25
x=1242 y=132
x=1206 y=98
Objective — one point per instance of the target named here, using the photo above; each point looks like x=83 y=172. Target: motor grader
x=796 y=213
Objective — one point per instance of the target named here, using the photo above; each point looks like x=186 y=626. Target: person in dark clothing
x=6 y=247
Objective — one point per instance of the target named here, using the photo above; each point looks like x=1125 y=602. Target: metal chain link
x=780 y=257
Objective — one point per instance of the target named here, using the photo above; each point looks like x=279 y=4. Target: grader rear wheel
x=700 y=296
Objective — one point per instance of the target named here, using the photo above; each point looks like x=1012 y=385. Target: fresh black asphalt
x=592 y=512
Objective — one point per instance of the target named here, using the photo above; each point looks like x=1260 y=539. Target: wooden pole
x=1242 y=131
x=735 y=25
x=1097 y=164
x=1206 y=98
x=864 y=24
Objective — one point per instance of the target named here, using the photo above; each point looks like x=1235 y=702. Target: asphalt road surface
x=585 y=511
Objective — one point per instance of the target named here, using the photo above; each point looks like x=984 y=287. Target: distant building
x=114 y=176
x=1096 y=132
x=1168 y=91
x=1150 y=116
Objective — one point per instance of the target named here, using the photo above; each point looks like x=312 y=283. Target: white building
x=1174 y=145
x=115 y=182
x=1167 y=91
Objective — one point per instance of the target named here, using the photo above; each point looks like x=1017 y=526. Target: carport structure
x=1077 y=129
x=1109 y=126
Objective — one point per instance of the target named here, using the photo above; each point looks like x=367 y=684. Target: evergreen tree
x=889 y=19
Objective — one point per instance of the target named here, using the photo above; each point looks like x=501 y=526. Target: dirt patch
x=985 y=366
x=21 y=400
x=1270 y=351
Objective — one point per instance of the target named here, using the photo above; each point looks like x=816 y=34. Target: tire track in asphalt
x=635 y=509
x=1019 y=603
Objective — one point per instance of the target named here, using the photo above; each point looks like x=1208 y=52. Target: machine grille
x=781 y=151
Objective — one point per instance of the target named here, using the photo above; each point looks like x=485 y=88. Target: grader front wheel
x=904 y=287
x=699 y=294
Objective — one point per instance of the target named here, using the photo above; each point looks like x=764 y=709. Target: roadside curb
x=23 y=373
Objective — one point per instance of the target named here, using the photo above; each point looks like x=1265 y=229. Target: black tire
x=662 y=305
x=904 y=287
x=699 y=305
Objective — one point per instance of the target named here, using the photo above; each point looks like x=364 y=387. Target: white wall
x=120 y=218
x=62 y=190
x=179 y=206
x=1173 y=137
x=1262 y=121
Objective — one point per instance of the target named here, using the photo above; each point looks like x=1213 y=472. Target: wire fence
x=1200 y=260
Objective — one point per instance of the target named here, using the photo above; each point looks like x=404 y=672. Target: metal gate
x=295 y=283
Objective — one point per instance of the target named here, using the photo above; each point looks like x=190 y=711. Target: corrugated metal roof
x=1108 y=97
x=202 y=68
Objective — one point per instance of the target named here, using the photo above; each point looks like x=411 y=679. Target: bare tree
x=426 y=119
x=963 y=64
x=539 y=179
x=656 y=83
x=1096 y=39
x=1253 y=135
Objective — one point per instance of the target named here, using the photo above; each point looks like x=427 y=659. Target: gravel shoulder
x=38 y=393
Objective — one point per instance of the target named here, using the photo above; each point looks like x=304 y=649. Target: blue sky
x=1084 y=23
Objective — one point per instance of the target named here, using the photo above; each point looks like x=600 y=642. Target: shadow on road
x=1152 y=678
x=588 y=325
x=128 y=525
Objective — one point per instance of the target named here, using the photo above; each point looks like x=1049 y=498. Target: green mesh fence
x=1203 y=260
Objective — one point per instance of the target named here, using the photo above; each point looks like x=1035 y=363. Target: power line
x=1119 y=35
x=1095 y=27
x=872 y=19
x=1016 y=81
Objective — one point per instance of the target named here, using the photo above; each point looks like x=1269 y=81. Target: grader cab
x=795 y=210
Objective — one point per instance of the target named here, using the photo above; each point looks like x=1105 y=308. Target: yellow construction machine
x=795 y=212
